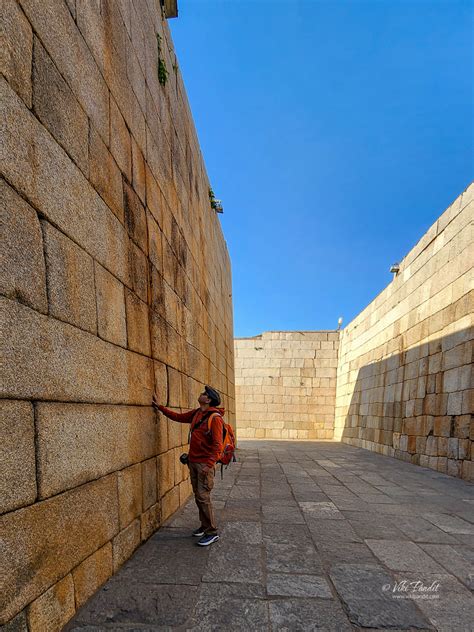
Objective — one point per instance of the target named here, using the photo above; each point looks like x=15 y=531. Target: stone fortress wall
x=286 y=384
x=404 y=384
x=107 y=294
x=404 y=364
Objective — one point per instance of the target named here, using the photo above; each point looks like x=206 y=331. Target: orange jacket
x=204 y=447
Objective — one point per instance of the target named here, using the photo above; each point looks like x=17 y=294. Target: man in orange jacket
x=205 y=449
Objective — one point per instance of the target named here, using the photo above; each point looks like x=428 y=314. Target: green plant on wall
x=162 y=69
x=212 y=199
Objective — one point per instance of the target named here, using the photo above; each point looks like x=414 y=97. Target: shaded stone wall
x=286 y=384
x=115 y=282
x=404 y=378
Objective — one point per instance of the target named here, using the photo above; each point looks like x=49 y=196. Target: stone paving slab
x=314 y=536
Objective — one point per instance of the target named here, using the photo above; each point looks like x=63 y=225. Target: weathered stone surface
x=70 y=274
x=120 y=146
x=54 y=608
x=149 y=483
x=170 y=502
x=81 y=442
x=47 y=540
x=138 y=271
x=111 y=314
x=403 y=556
x=125 y=543
x=57 y=30
x=17 y=44
x=105 y=175
x=94 y=571
x=138 y=326
x=456 y=560
x=58 y=109
x=297 y=614
x=453 y=609
x=366 y=591
x=165 y=472
x=135 y=218
x=17 y=624
x=139 y=171
x=23 y=277
x=130 y=494
x=17 y=455
x=286 y=585
x=150 y=521
x=292 y=558
x=134 y=603
x=57 y=188
x=69 y=364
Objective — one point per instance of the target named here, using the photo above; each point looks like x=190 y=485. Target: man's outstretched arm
x=184 y=418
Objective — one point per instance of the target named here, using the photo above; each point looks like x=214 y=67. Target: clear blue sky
x=335 y=132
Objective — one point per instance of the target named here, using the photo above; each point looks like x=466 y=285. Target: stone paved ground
x=314 y=536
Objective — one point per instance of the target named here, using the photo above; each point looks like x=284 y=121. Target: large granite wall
x=115 y=282
x=285 y=384
x=404 y=383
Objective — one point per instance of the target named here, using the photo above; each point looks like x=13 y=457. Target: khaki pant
x=202 y=495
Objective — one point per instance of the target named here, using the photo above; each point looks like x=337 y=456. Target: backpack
x=228 y=443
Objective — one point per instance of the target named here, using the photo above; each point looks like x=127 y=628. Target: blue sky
x=335 y=132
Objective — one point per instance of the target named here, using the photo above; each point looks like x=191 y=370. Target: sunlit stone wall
x=115 y=282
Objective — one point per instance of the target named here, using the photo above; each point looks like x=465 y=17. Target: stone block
x=54 y=608
x=17 y=45
x=129 y=494
x=81 y=442
x=68 y=364
x=17 y=624
x=120 y=144
x=149 y=483
x=150 y=521
x=135 y=218
x=462 y=426
x=111 y=315
x=155 y=243
x=455 y=403
x=174 y=388
x=453 y=448
x=442 y=446
x=161 y=381
x=58 y=109
x=432 y=446
x=105 y=175
x=53 y=527
x=59 y=34
x=70 y=274
x=125 y=543
x=138 y=171
x=138 y=326
x=138 y=271
x=170 y=503
x=17 y=455
x=165 y=472
x=94 y=571
x=57 y=188
x=154 y=198
x=23 y=267
x=464 y=449
x=442 y=426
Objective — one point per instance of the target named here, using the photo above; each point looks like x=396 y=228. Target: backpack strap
x=209 y=421
x=196 y=425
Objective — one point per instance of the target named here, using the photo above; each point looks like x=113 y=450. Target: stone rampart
x=286 y=384
x=404 y=385
x=115 y=282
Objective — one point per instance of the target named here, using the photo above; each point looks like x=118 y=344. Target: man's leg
x=194 y=475
x=203 y=500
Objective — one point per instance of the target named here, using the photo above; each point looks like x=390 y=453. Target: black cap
x=213 y=395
